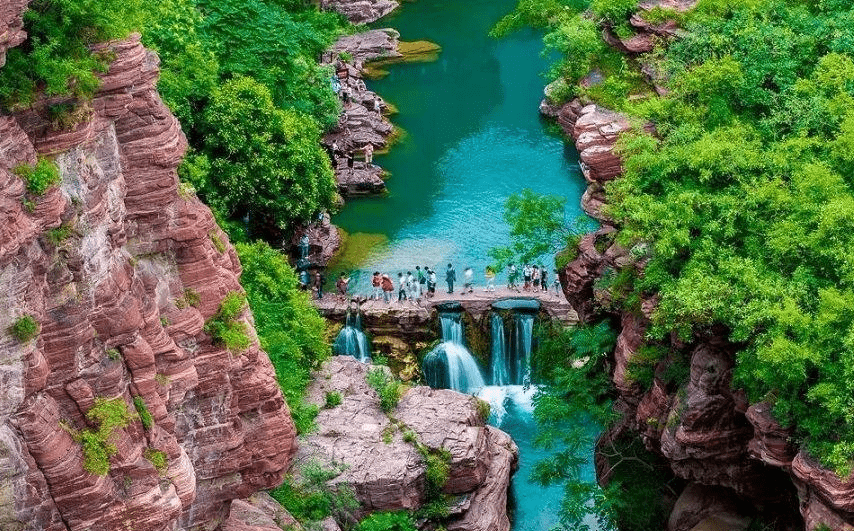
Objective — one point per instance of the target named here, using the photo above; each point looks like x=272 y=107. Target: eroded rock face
x=108 y=294
x=386 y=471
x=11 y=26
x=824 y=495
x=259 y=512
x=579 y=275
x=361 y=11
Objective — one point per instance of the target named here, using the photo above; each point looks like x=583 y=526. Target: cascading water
x=523 y=339
x=511 y=387
x=351 y=341
x=511 y=360
x=450 y=365
x=500 y=354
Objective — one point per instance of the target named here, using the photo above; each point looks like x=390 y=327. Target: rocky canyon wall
x=109 y=263
x=707 y=431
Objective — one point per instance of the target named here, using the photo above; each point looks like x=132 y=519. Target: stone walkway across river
x=476 y=303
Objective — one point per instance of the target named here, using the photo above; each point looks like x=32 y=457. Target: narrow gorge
x=182 y=180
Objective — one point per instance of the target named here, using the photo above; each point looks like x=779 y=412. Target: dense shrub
x=242 y=76
x=142 y=410
x=388 y=389
x=39 y=178
x=288 y=325
x=25 y=329
x=265 y=161
x=56 y=58
x=397 y=521
x=108 y=415
x=308 y=497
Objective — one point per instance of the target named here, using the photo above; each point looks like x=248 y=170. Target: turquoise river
x=473 y=136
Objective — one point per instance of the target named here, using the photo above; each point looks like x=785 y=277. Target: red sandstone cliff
x=107 y=298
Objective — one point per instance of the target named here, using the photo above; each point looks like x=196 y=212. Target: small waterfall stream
x=450 y=365
x=523 y=341
x=351 y=341
x=500 y=354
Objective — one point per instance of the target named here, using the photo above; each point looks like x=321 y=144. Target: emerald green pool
x=473 y=137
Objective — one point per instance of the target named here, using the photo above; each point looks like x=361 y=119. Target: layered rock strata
x=377 y=455
x=106 y=263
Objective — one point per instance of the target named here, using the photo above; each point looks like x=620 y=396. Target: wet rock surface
x=106 y=295
x=382 y=465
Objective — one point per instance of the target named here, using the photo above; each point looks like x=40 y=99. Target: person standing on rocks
x=422 y=279
x=350 y=162
x=431 y=283
x=369 y=154
x=342 y=284
x=526 y=274
x=388 y=288
x=557 y=284
x=535 y=277
x=376 y=283
x=401 y=288
x=319 y=281
x=411 y=287
x=544 y=279
x=490 y=279
x=450 y=278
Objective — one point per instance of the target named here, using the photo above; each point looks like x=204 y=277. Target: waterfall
x=511 y=360
x=351 y=341
x=500 y=354
x=523 y=338
x=451 y=365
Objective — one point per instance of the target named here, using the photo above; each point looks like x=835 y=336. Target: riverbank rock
x=324 y=240
x=106 y=292
x=362 y=121
x=380 y=462
x=703 y=507
x=360 y=11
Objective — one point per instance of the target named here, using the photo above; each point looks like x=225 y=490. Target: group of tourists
x=410 y=286
x=535 y=278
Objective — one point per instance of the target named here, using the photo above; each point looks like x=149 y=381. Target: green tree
x=288 y=325
x=265 y=161
x=537 y=227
